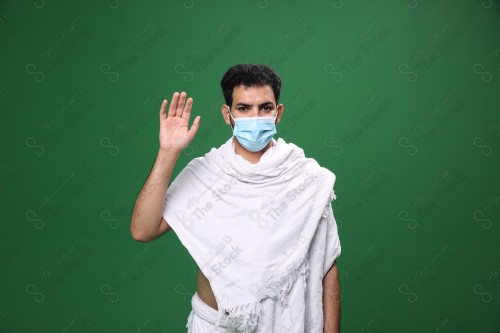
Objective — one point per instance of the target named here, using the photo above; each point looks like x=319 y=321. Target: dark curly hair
x=249 y=75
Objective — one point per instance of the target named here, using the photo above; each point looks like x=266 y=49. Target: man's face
x=253 y=102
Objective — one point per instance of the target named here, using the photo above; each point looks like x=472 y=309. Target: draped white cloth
x=263 y=234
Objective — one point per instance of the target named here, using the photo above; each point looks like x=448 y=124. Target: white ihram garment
x=263 y=234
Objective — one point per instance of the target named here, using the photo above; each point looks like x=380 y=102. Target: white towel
x=263 y=234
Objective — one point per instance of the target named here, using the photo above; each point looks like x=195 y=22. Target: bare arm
x=147 y=222
x=331 y=300
x=147 y=215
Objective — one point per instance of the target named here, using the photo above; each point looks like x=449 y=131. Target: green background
x=400 y=100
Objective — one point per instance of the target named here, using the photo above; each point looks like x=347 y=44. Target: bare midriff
x=204 y=290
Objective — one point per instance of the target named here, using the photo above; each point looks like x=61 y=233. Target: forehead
x=252 y=95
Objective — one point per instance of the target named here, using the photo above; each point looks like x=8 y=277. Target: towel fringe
x=281 y=289
x=244 y=317
x=333 y=196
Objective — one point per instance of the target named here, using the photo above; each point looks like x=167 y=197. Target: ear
x=281 y=108
x=225 y=114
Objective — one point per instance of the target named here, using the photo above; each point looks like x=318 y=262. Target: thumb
x=194 y=127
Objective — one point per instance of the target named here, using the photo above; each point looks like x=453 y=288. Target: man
x=252 y=165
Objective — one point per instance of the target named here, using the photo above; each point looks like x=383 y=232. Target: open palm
x=174 y=132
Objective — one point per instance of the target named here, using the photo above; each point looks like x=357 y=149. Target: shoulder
x=313 y=164
x=308 y=164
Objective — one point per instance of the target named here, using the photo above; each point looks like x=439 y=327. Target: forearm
x=148 y=207
x=331 y=301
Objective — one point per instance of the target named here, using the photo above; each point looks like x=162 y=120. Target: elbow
x=139 y=238
x=137 y=235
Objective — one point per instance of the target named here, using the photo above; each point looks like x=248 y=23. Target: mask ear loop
x=276 y=117
x=277 y=112
x=232 y=127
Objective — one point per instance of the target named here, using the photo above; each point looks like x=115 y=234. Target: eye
x=268 y=107
x=242 y=107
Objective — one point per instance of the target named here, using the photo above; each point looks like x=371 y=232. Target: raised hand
x=174 y=133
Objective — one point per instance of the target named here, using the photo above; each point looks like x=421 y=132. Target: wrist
x=168 y=152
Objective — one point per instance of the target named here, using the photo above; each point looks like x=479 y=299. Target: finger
x=194 y=128
x=163 y=109
x=173 y=104
x=187 y=110
x=180 y=105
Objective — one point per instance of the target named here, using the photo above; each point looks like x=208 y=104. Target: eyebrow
x=261 y=105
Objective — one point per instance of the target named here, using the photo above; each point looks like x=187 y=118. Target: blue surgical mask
x=254 y=133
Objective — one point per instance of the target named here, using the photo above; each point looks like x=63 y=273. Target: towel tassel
x=281 y=289
x=244 y=317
